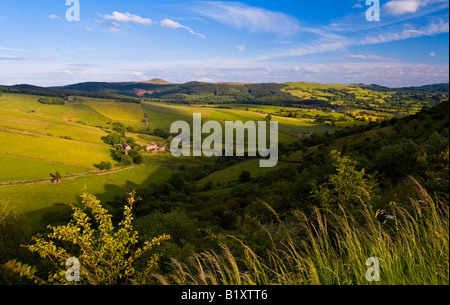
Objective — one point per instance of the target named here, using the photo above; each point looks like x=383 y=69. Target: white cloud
x=240 y=48
x=242 y=16
x=127 y=17
x=88 y=29
x=367 y=57
x=112 y=26
x=400 y=7
x=54 y=17
x=432 y=54
x=205 y=80
x=170 y=24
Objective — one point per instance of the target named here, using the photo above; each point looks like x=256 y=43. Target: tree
x=58 y=176
x=113 y=138
x=347 y=187
x=108 y=255
x=104 y=165
x=245 y=176
x=120 y=128
x=126 y=160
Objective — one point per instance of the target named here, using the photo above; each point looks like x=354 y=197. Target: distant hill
x=156 y=81
x=293 y=93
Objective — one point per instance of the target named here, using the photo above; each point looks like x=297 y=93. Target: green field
x=36 y=200
x=19 y=169
x=37 y=140
x=230 y=175
x=55 y=149
x=163 y=115
x=118 y=111
x=140 y=177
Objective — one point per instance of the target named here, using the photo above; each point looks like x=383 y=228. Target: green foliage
x=104 y=165
x=12 y=233
x=348 y=187
x=58 y=176
x=113 y=138
x=107 y=254
x=126 y=160
x=332 y=249
x=51 y=100
x=119 y=128
x=245 y=176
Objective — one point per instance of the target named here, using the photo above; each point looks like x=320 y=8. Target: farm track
x=25 y=133
x=146 y=116
x=88 y=174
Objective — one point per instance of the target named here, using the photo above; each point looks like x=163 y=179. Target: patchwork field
x=38 y=140
x=163 y=115
x=37 y=200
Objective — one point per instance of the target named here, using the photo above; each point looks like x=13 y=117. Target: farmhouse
x=56 y=181
x=154 y=148
x=125 y=147
x=151 y=147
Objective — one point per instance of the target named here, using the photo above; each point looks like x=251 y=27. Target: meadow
x=38 y=140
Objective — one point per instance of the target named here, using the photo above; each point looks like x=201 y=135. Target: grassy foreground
x=412 y=246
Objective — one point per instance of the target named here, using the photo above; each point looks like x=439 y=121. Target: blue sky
x=325 y=41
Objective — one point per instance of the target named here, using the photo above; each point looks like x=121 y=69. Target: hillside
x=295 y=94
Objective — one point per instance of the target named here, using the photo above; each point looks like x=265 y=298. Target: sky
x=325 y=41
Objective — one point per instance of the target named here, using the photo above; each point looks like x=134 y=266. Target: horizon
x=325 y=42
x=218 y=82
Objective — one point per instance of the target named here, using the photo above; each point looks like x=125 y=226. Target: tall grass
x=412 y=245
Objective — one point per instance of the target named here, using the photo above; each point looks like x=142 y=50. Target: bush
x=245 y=176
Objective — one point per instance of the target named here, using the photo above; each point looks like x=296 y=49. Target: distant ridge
x=156 y=81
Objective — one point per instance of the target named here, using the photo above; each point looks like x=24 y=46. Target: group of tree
x=51 y=100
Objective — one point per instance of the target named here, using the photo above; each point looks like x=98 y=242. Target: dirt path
x=67 y=116
x=88 y=174
x=146 y=115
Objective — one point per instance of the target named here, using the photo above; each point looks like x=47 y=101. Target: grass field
x=140 y=177
x=51 y=198
x=226 y=177
x=118 y=111
x=19 y=169
x=55 y=149
x=36 y=140
x=162 y=116
x=77 y=133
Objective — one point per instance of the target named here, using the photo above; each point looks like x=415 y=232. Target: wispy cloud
x=112 y=26
x=12 y=49
x=13 y=57
x=170 y=24
x=54 y=17
x=327 y=41
x=370 y=57
x=127 y=17
x=240 y=48
x=242 y=16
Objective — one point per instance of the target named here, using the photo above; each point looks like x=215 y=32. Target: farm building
x=154 y=148
x=151 y=147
